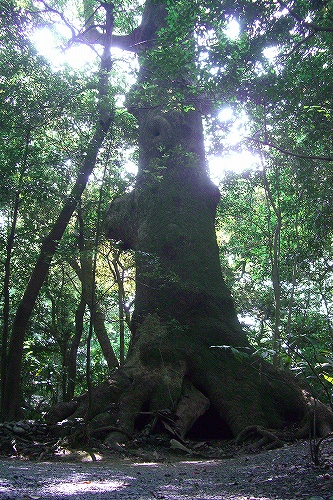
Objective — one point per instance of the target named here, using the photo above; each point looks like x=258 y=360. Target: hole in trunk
x=210 y=426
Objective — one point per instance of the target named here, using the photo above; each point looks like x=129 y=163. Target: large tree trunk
x=188 y=349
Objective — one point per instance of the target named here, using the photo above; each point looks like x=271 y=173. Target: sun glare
x=49 y=46
x=237 y=162
x=235 y=128
x=271 y=53
x=233 y=29
x=226 y=114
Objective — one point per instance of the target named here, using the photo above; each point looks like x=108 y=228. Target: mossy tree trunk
x=188 y=350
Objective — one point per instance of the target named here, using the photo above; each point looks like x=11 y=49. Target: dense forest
x=177 y=172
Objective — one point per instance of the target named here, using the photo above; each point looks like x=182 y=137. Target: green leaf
x=328 y=378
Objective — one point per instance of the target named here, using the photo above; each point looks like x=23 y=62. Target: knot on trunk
x=121 y=221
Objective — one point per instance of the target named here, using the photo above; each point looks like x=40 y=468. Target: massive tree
x=188 y=351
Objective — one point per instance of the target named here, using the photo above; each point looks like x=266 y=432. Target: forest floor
x=153 y=472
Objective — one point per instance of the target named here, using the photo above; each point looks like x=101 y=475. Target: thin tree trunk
x=11 y=404
x=85 y=275
x=294 y=272
x=277 y=292
x=7 y=274
x=99 y=326
x=275 y=273
x=72 y=356
x=120 y=311
x=124 y=315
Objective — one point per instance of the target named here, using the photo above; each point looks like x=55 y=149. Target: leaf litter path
x=282 y=474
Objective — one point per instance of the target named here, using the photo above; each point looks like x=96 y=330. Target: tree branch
x=311 y=26
x=62 y=17
x=290 y=153
x=299 y=44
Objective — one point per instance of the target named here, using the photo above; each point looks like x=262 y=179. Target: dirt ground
x=285 y=473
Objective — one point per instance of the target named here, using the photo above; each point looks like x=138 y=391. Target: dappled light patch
x=78 y=485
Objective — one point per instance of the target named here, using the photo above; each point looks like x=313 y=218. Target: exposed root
x=168 y=419
x=316 y=448
x=116 y=440
x=108 y=429
x=258 y=439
